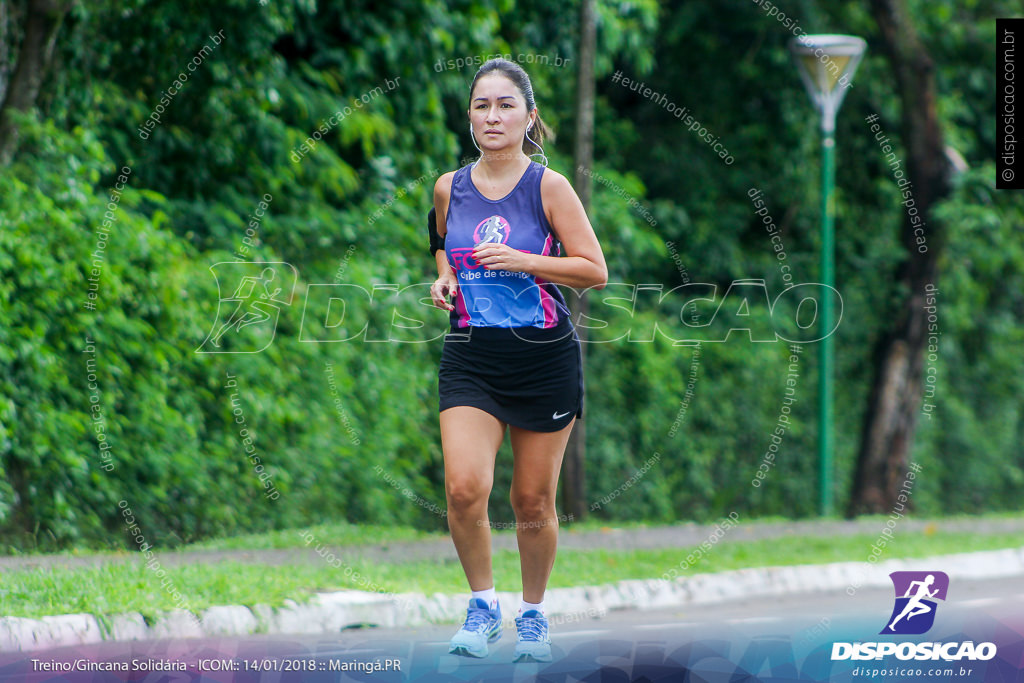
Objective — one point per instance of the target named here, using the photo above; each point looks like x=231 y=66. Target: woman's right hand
x=445 y=286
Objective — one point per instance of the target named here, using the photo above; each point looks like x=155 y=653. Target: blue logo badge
x=916 y=593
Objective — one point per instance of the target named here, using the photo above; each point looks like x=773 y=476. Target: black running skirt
x=529 y=377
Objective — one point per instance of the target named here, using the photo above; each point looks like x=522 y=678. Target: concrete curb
x=331 y=612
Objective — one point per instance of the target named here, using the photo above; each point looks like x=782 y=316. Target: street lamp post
x=827 y=64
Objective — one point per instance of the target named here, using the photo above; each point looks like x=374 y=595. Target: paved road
x=777 y=638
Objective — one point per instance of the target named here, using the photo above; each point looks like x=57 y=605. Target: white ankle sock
x=527 y=606
x=490 y=596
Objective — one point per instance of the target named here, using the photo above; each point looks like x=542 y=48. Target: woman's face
x=498 y=113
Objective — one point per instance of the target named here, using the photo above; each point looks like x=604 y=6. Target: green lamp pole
x=827 y=64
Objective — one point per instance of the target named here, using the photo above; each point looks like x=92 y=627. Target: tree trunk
x=8 y=42
x=42 y=20
x=574 y=482
x=895 y=399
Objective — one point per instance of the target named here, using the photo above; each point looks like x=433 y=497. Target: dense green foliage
x=348 y=430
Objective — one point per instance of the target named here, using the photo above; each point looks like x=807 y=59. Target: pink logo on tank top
x=493 y=229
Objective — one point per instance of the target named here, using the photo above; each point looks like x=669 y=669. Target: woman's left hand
x=495 y=256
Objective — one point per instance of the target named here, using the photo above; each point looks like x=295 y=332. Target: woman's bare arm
x=583 y=265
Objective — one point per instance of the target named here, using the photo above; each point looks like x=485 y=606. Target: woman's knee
x=466 y=492
x=533 y=506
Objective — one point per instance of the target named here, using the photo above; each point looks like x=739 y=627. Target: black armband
x=436 y=241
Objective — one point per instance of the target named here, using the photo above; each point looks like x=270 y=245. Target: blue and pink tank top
x=500 y=298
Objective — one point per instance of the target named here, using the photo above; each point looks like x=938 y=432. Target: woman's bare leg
x=470 y=439
x=537 y=462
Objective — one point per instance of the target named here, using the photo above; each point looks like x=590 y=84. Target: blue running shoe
x=534 y=645
x=482 y=626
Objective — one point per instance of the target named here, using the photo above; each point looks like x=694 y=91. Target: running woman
x=512 y=359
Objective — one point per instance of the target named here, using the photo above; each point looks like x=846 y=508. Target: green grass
x=346 y=534
x=338 y=533
x=131 y=586
x=341 y=533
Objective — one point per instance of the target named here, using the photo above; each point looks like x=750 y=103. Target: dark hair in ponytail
x=540 y=131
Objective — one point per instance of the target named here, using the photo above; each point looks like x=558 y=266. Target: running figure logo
x=493 y=229
x=914 y=611
x=254 y=305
